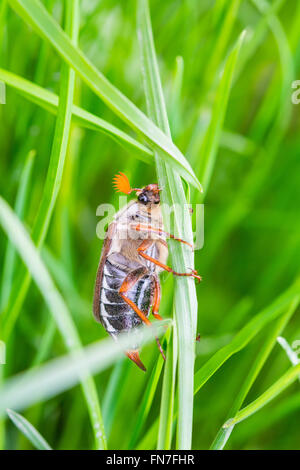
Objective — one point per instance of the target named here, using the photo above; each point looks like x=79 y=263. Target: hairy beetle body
x=134 y=253
x=115 y=314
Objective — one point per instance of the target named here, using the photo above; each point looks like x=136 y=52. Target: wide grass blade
x=33 y=12
x=28 y=430
x=285 y=381
x=173 y=194
x=49 y=101
x=61 y=374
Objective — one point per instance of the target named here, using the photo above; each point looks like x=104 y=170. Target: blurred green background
x=251 y=249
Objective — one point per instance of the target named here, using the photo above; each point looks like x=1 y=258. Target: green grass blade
x=150 y=437
x=261 y=422
x=112 y=393
x=258 y=36
x=3 y=12
x=61 y=135
x=148 y=397
x=259 y=361
x=278 y=123
x=28 y=252
x=19 y=237
x=9 y=259
x=28 y=430
x=46 y=208
x=49 y=101
x=213 y=134
x=222 y=39
x=44 y=350
x=251 y=223
x=37 y=16
x=237 y=143
x=185 y=293
x=175 y=107
x=291 y=354
x=65 y=283
x=244 y=336
x=54 y=174
x=285 y=381
x=240 y=341
x=166 y=417
x=61 y=374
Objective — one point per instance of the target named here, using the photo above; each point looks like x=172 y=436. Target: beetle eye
x=143 y=198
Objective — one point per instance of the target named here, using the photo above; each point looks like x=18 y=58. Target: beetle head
x=147 y=195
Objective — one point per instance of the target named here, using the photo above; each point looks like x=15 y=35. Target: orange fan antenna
x=121 y=183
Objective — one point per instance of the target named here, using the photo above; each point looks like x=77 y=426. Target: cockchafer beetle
x=134 y=252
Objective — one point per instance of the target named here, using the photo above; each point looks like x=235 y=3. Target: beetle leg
x=149 y=228
x=144 y=247
x=156 y=301
x=127 y=284
x=130 y=280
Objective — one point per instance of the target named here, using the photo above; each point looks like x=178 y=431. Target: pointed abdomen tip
x=134 y=356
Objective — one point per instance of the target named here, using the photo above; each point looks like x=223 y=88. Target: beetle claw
x=195 y=274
